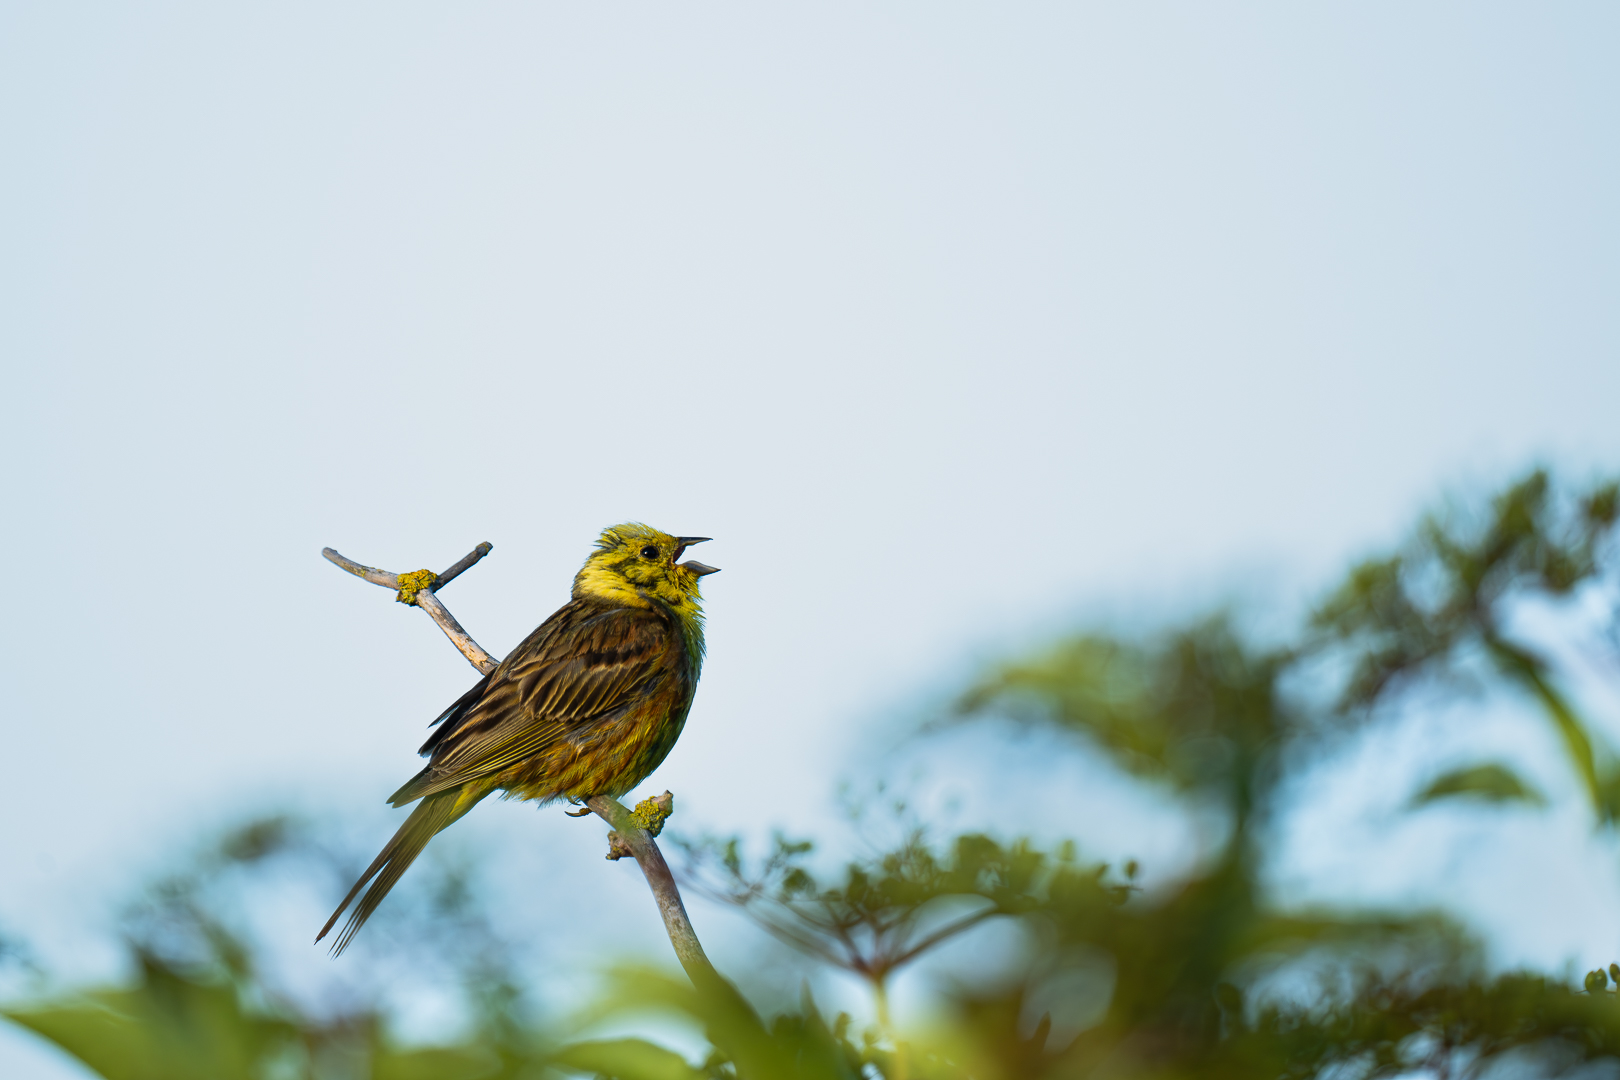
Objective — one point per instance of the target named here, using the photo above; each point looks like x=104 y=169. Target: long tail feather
x=427 y=820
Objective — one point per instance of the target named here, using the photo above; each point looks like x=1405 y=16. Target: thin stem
x=788 y=936
x=964 y=923
x=880 y=998
x=856 y=961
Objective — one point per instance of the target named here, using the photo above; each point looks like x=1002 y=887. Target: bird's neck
x=692 y=633
x=603 y=584
x=600 y=583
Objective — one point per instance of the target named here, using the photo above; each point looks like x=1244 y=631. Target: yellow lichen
x=412 y=583
x=650 y=814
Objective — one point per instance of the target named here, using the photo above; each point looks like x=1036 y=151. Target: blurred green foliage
x=173 y=1025
x=1205 y=976
x=1443 y=605
x=887 y=911
x=206 y=1000
x=1490 y=782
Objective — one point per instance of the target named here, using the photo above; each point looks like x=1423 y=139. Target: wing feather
x=585 y=663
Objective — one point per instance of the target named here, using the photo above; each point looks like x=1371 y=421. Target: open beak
x=697 y=569
x=684 y=542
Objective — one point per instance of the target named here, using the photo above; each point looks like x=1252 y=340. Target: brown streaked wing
x=492 y=688
x=589 y=667
x=450 y=719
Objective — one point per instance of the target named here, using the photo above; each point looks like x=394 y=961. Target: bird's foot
x=581 y=812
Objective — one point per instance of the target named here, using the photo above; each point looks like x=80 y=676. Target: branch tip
x=463 y=563
x=360 y=570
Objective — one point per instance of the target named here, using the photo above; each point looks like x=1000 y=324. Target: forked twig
x=418 y=589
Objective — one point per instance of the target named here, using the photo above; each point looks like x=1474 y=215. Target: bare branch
x=436 y=610
x=964 y=923
x=464 y=563
x=662 y=883
x=745 y=902
x=391 y=581
x=370 y=573
x=424 y=598
x=418 y=588
x=803 y=942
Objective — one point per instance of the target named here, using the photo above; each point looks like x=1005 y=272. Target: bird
x=588 y=704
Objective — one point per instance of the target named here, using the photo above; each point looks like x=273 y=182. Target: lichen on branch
x=651 y=813
x=412 y=583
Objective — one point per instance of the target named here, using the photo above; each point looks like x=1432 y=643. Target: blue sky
x=953 y=325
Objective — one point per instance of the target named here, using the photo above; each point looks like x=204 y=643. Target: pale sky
x=952 y=324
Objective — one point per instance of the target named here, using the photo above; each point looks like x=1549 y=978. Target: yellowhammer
x=588 y=704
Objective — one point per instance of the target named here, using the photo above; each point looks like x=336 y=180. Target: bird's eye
x=649 y=552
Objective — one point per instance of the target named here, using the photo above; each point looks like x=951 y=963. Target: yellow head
x=636 y=565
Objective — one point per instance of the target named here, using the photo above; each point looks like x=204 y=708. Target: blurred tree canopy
x=1206 y=976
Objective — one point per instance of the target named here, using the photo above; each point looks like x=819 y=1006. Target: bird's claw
x=581 y=812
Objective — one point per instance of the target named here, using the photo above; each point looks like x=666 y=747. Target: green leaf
x=110 y=1043
x=627 y=1059
x=172 y=1031
x=434 y=1063
x=1492 y=782
x=1533 y=674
